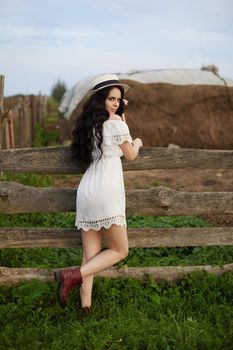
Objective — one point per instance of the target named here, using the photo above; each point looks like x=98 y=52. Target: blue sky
x=45 y=40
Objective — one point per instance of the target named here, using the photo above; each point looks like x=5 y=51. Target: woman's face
x=112 y=101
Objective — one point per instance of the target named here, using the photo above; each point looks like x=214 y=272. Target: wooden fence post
x=11 y=130
x=33 y=117
x=21 y=118
x=2 y=78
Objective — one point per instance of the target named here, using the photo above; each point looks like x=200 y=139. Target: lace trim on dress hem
x=98 y=224
x=116 y=139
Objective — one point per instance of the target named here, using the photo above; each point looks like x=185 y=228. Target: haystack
x=191 y=116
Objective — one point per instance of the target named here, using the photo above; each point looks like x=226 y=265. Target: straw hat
x=104 y=81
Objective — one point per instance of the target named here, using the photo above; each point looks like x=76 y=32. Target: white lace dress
x=100 y=198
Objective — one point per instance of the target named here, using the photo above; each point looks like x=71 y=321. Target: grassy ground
x=195 y=313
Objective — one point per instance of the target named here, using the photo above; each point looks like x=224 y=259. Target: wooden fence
x=19 y=116
x=17 y=198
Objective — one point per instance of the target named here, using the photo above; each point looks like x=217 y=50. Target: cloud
x=28 y=34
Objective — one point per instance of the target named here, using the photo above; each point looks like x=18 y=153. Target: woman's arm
x=130 y=151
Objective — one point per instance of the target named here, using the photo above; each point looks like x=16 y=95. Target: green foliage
x=52 y=110
x=38 y=220
x=58 y=90
x=61 y=257
x=165 y=221
x=67 y=219
x=40 y=257
x=36 y=180
x=43 y=137
x=195 y=313
x=48 y=133
x=30 y=290
x=183 y=256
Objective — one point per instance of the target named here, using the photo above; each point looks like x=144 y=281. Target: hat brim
x=124 y=86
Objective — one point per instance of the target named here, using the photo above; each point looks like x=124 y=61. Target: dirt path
x=192 y=180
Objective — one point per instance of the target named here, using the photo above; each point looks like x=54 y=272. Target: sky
x=42 y=41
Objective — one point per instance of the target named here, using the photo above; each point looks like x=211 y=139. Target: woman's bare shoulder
x=115 y=117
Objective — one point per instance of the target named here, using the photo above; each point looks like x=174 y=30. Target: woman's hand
x=131 y=150
x=137 y=142
x=126 y=104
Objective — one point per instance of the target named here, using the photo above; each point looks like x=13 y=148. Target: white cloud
x=22 y=33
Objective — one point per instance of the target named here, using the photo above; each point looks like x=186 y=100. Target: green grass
x=65 y=220
x=52 y=115
x=35 y=180
x=68 y=219
x=47 y=134
x=195 y=313
x=44 y=137
x=61 y=257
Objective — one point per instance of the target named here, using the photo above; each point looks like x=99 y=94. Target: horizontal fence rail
x=169 y=274
x=138 y=237
x=57 y=160
x=155 y=201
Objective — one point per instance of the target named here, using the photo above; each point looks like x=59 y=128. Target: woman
x=100 y=138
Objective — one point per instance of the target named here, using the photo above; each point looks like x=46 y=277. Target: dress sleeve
x=116 y=132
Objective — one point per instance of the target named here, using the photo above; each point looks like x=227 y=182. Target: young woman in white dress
x=100 y=137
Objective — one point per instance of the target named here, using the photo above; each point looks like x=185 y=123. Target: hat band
x=107 y=82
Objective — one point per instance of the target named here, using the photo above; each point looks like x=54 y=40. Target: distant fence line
x=19 y=116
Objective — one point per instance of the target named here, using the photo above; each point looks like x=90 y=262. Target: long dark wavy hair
x=89 y=123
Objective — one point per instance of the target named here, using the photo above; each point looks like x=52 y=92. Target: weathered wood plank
x=143 y=237
x=2 y=78
x=169 y=274
x=57 y=160
x=11 y=237
x=17 y=198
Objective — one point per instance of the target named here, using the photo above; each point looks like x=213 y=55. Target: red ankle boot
x=67 y=279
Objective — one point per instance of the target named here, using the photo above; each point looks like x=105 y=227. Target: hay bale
x=191 y=116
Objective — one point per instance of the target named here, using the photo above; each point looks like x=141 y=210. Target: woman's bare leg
x=91 y=246
x=117 y=241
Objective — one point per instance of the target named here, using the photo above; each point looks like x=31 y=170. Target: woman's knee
x=124 y=252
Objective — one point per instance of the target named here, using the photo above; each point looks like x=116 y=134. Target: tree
x=58 y=90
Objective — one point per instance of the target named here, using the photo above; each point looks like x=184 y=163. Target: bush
x=58 y=90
